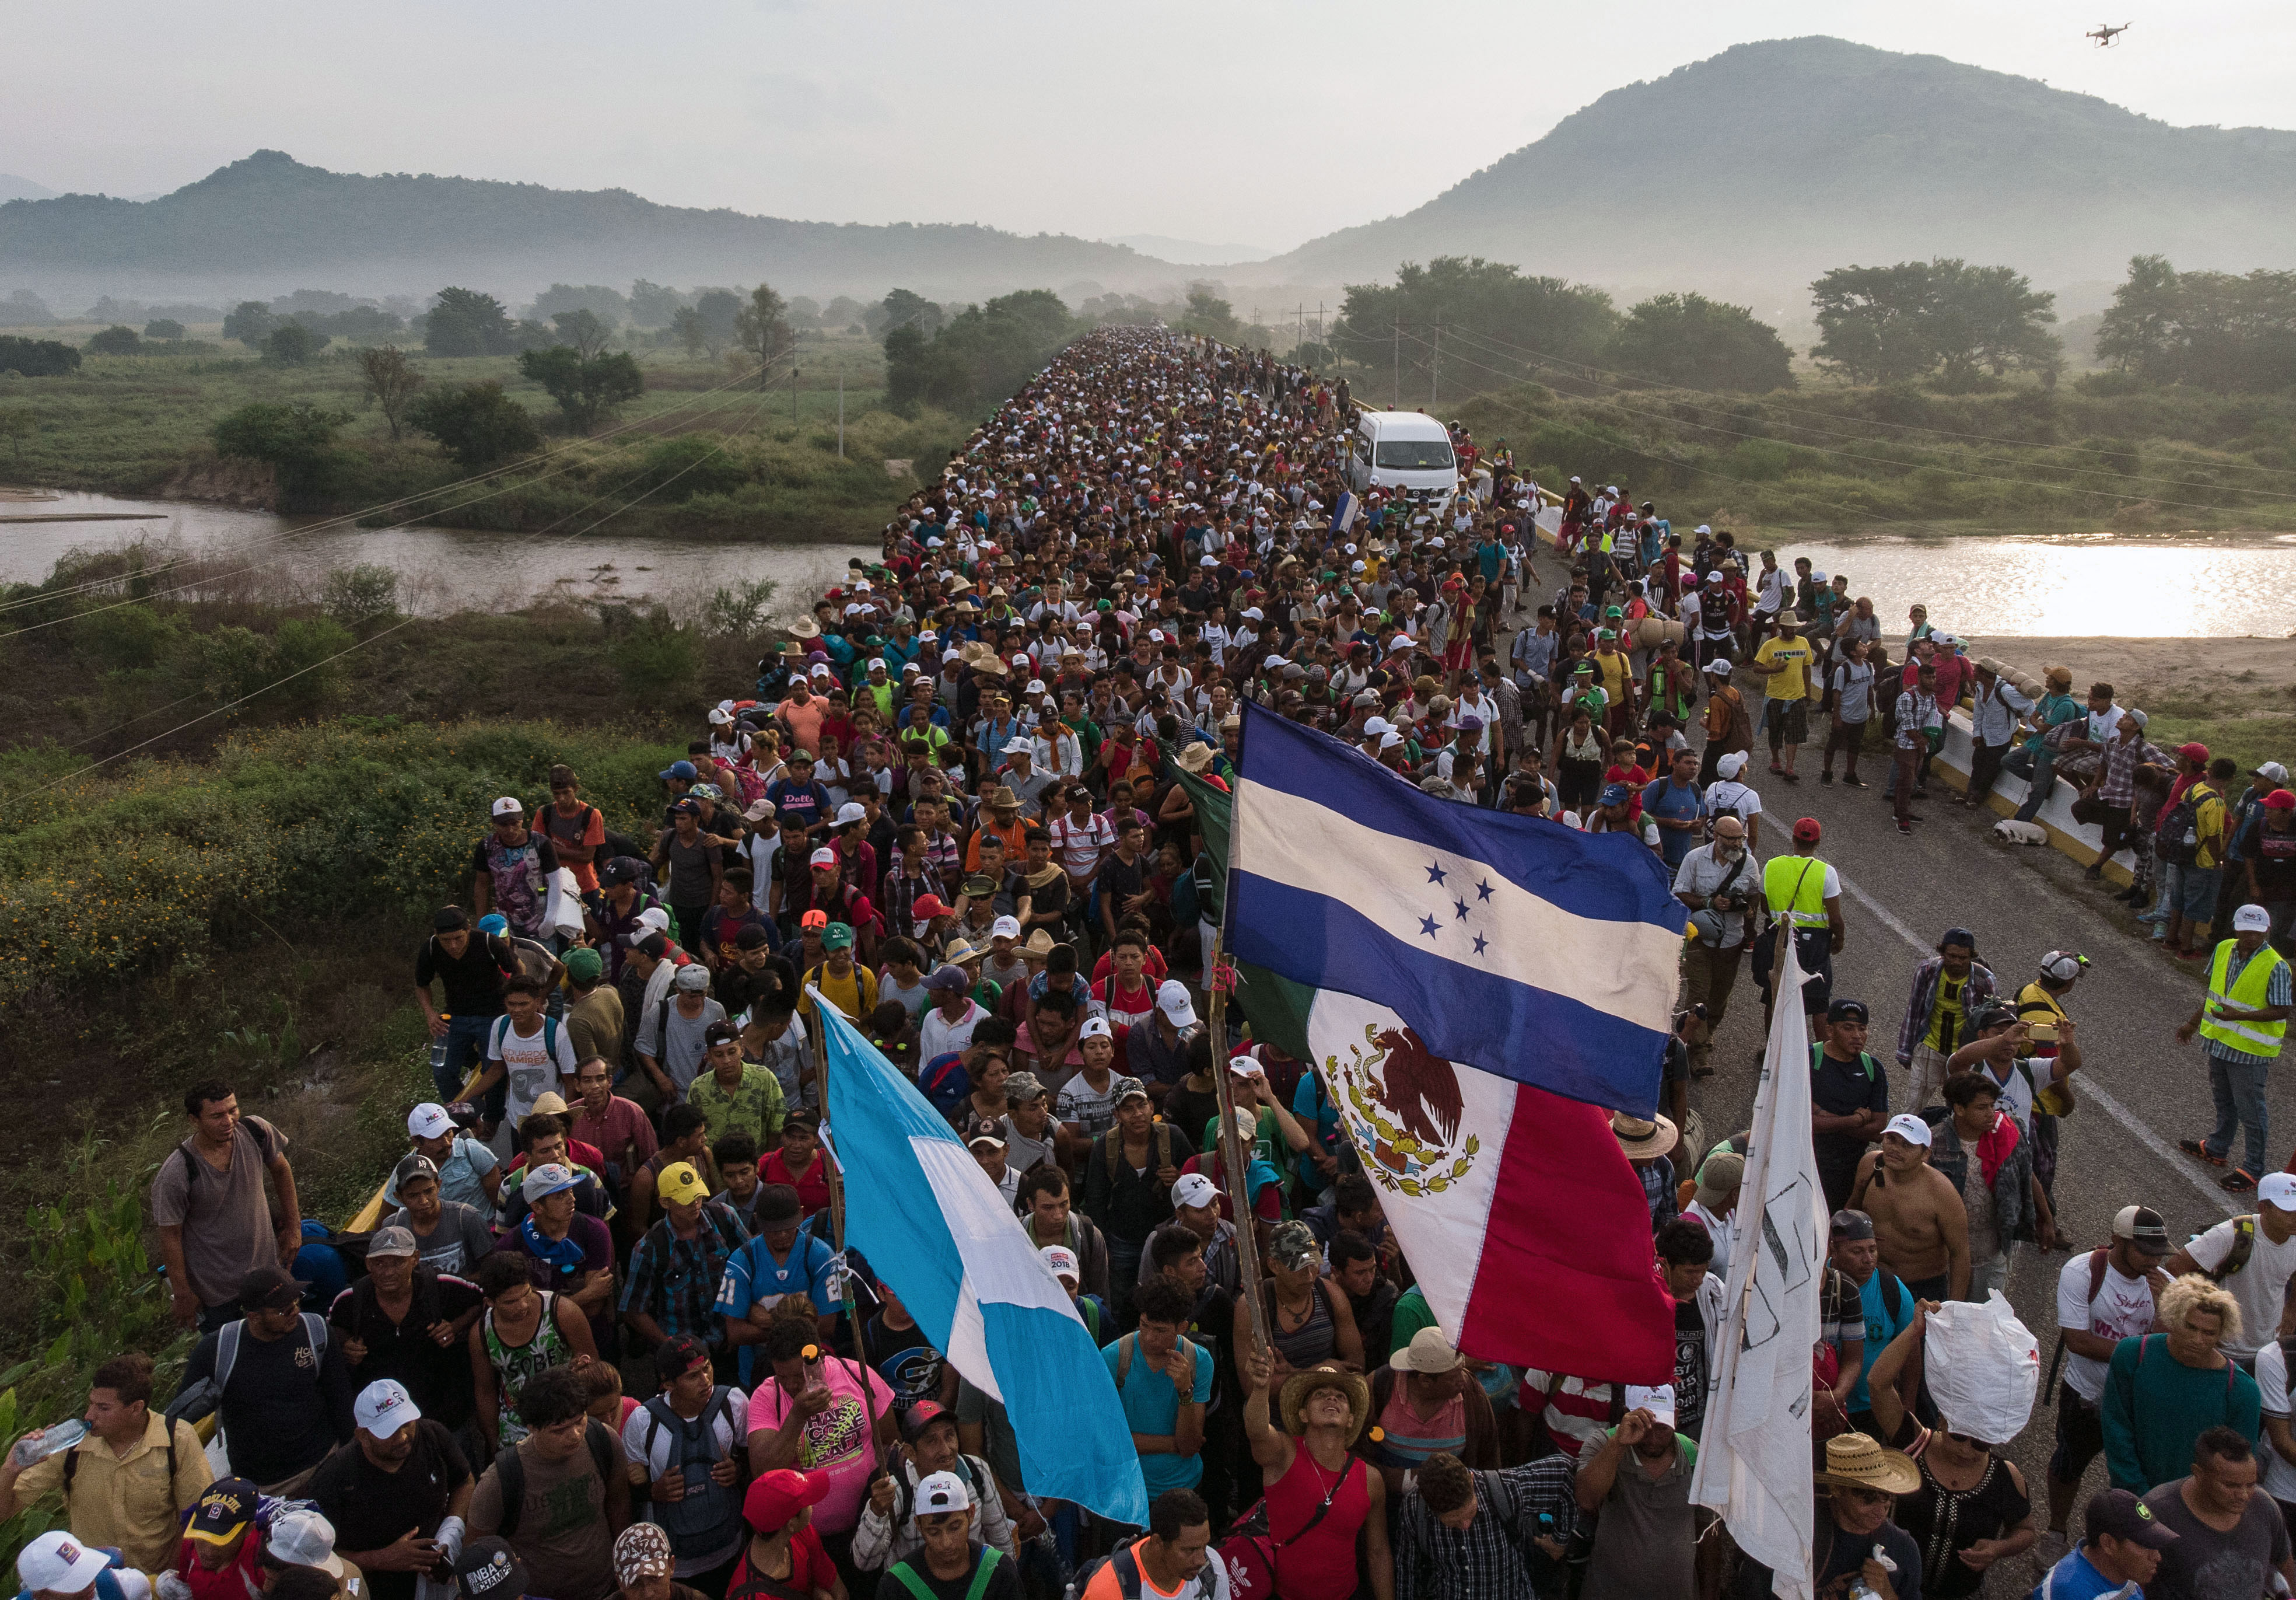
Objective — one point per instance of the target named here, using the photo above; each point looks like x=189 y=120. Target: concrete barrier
x=2081 y=841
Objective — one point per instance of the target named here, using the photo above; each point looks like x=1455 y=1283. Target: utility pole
x=1399 y=367
x=793 y=395
x=1435 y=373
x=840 y=416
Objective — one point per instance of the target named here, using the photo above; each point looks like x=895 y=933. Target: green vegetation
x=587 y=386
x=979 y=356
x=1689 y=342
x=2100 y=453
x=1943 y=321
x=2210 y=329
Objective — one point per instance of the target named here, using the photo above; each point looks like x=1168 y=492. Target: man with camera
x=1718 y=881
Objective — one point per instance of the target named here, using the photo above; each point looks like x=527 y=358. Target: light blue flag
x=932 y=1224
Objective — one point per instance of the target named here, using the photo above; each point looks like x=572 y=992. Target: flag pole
x=1234 y=1158
x=836 y=1227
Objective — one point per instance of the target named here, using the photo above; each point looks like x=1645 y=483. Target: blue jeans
x=2038 y=768
x=466 y=1044
x=2192 y=891
x=2237 y=1087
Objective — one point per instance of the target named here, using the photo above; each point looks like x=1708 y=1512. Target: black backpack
x=510 y=1471
x=2177 y=841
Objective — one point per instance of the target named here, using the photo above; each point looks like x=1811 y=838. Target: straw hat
x=1858 y=1461
x=1000 y=799
x=1643 y=1140
x=806 y=628
x=1299 y=1385
x=1427 y=1352
x=1194 y=757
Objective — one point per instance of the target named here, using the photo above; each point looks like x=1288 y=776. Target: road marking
x=2090 y=1088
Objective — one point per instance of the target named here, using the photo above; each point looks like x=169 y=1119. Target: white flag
x=1754 y=1453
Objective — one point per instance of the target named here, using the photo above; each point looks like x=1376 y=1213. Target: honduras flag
x=1343 y=511
x=1471 y=987
x=933 y=1226
x=1526 y=947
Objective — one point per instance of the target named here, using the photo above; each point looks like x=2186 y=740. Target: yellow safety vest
x=1795 y=888
x=2248 y=1039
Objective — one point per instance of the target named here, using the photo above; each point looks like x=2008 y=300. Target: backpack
x=901 y=1573
x=510 y=1471
x=2178 y=840
x=2096 y=1261
x=499 y=1030
x=1162 y=1138
x=2244 y=1246
x=196 y=1400
x=1500 y=1499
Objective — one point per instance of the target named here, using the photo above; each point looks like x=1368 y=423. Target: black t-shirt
x=1690 y=1374
x=473 y=982
x=437 y=1378
x=371 y=1508
x=283 y=1410
x=1003 y=1583
x=1844 y=1088
x=1841 y=1558
x=1119 y=882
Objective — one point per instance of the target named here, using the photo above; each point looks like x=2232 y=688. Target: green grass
x=141 y=425
x=2085 y=455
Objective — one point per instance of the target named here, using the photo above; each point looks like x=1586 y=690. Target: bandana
x=562 y=1255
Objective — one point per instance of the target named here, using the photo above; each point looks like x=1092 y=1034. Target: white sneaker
x=2048 y=1550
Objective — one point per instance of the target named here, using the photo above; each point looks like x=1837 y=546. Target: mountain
x=1166 y=248
x=269 y=223
x=13 y=187
x=1773 y=161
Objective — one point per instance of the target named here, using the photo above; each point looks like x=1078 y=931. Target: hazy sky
x=1255 y=121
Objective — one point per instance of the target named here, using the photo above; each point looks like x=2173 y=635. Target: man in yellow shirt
x=1785 y=660
x=123 y=1485
x=843 y=981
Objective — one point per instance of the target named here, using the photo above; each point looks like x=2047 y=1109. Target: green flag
x=1275 y=1007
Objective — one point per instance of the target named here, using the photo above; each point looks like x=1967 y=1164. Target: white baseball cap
x=429 y=1121
x=1195 y=1190
x=1094 y=1028
x=1062 y=1262
x=1659 y=1402
x=2251 y=919
x=850 y=811
x=509 y=806
x=1731 y=765
x=939 y=1492
x=654 y=918
x=1910 y=1129
x=2278 y=1189
x=822 y=857
x=1172 y=999
x=384 y=1406
x=58 y=1563
x=1004 y=927
x=304 y=1539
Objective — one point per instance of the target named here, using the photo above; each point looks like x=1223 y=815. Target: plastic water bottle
x=438 y=1055
x=52 y=1441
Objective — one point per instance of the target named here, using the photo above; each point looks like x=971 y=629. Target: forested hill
x=270 y=216
x=1771 y=162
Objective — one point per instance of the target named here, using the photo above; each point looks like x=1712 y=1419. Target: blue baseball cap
x=1614 y=795
x=679 y=769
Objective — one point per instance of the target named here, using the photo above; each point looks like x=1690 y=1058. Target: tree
x=1491 y=325
x=762 y=328
x=360 y=597
x=905 y=308
x=1691 y=342
x=36 y=357
x=2215 y=330
x=983 y=354
x=118 y=340
x=476 y=423
x=296 y=441
x=652 y=306
x=687 y=323
x=1207 y=313
x=292 y=344
x=607 y=305
x=717 y=308
x=17 y=424
x=391 y=382
x=586 y=387
x=1941 y=319
x=250 y=322
x=582 y=329
x=467 y=323
x=163 y=327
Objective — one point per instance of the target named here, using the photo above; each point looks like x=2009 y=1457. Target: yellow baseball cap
x=680 y=1184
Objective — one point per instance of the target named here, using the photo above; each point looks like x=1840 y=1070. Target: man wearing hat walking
x=1635 y=1478
x=59 y=1565
x=281 y=1386
x=2119 y=1553
x=1848 y=1099
x=2243 y=1018
x=1861 y=1483
x=1319 y=1495
x=2111 y=1294
x=397 y=1494
x=1803 y=897
x=405 y=1323
x=671 y=1290
x=689 y=1442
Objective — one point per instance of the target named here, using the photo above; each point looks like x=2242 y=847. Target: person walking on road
x=1921 y=728
x=1804 y=896
x=1716 y=880
x=2252 y=1259
x=2163 y=1390
x=2243 y=1018
x=1949 y=989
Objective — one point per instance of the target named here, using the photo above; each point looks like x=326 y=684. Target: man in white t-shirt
x=528 y=1048
x=1726 y=793
x=2260 y=1283
x=2103 y=1296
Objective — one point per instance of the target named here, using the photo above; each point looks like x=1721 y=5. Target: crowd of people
x=605 y=1336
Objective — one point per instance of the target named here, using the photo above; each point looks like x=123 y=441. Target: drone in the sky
x=2106 y=33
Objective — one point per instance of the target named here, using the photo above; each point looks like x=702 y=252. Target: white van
x=1406 y=451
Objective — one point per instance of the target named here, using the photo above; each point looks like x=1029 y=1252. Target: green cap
x=583 y=965
x=837 y=936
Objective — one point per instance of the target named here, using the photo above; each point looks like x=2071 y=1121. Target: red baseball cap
x=927 y=905
x=779 y=1495
x=2280 y=800
x=2193 y=752
x=1807 y=830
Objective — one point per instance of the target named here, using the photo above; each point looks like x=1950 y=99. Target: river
x=441 y=570
x=1990 y=585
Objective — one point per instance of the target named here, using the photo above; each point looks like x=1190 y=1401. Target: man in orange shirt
x=1174 y=1562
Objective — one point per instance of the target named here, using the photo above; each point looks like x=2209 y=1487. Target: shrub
x=292 y=344
x=658 y=660
x=359 y=597
x=116 y=339
x=476 y=424
x=163 y=327
x=689 y=464
x=739 y=613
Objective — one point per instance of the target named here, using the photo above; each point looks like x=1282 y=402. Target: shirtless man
x=1918 y=1217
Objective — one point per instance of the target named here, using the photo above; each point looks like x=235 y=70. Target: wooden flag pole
x=1235 y=1158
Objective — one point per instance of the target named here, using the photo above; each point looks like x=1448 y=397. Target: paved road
x=2139 y=1092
